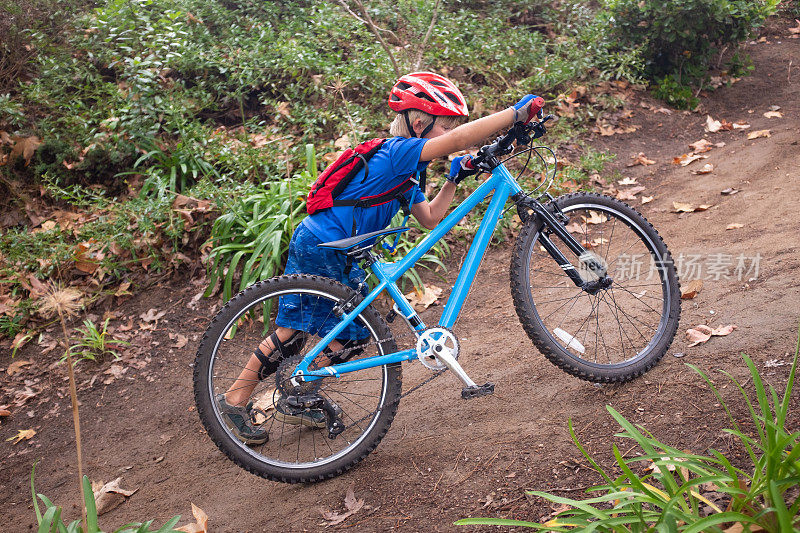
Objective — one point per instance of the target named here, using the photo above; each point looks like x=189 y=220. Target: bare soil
x=445 y=458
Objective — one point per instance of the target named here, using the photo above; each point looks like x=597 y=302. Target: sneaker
x=297 y=416
x=238 y=421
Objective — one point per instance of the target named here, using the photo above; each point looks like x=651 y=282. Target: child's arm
x=474 y=132
x=428 y=214
x=466 y=135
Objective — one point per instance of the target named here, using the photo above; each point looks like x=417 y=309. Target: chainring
x=286 y=386
x=433 y=341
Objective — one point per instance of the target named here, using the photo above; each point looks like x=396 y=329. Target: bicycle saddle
x=351 y=242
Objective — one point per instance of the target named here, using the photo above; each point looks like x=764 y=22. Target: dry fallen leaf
x=741 y=125
x=606 y=130
x=575 y=227
x=180 y=340
x=594 y=218
x=426 y=299
x=701 y=146
x=795 y=30
x=724 y=330
x=629 y=194
x=152 y=315
x=700 y=334
x=115 y=371
x=712 y=126
x=773 y=114
x=25 y=147
x=22 y=434
x=682 y=207
x=707 y=169
x=691 y=289
x=686 y=159
x=201 y=522
x=734 y=225
x=640 y=159
x=343 y=142
x=110 y=495
x=758 y=133
x=4 y=410
x=16 y=366
x=350 y=502
x=729 y=191
x=737 y=527
x=628 y=181
x=647 y=199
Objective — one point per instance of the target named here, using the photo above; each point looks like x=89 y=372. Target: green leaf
x=48 y=522
x=91 y=507
x=33 y=495
x=495 y=522
x=227 y=288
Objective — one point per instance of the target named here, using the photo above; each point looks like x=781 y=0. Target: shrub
x=255 y=232
x=680 y=37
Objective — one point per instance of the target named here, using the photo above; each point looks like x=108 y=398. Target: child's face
x=437 y=130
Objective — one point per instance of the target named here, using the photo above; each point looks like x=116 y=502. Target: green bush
x=255 y=232
x=680 y=37
x=669 y=498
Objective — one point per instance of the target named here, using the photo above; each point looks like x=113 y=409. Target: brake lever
x=539 y=129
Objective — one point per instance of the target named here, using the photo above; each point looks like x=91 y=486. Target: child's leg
x=241 y=389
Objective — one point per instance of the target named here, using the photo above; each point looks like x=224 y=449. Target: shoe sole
x=246 y=440
x=298 y=420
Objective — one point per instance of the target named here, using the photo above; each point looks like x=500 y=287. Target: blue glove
x=527 y=108
x=459 y=170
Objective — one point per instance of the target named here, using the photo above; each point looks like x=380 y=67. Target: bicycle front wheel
x=613 y=334
x=297 y=447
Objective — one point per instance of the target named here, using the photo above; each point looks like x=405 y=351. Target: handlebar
x=486 y=159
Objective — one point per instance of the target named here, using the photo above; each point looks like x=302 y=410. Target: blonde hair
x=399 y=128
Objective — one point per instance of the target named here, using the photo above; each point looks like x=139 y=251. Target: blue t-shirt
x=397 y=159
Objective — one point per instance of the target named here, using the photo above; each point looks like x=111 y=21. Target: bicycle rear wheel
x=295 y=452
x=619 y=332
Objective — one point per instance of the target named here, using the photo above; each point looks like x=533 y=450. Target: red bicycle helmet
x=428 y=92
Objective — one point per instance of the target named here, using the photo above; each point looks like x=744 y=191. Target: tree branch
x=427 y=35
x=367 y=21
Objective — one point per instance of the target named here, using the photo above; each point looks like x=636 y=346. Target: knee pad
x=283 y=350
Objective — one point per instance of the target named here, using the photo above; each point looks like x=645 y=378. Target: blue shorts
x=312 y=314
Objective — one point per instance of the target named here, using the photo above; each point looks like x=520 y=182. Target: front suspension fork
x=552 y=224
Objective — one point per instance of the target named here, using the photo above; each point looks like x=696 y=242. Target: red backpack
x=334 y=180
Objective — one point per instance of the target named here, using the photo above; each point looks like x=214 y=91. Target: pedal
x=477 y=391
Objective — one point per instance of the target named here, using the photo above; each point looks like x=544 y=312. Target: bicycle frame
x=504 y=186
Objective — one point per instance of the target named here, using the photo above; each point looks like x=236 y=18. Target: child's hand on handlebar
x=461 y=168
x=526 y=109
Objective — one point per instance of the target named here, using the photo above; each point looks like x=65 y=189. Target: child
x=429 y=110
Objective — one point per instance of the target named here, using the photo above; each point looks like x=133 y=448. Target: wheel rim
x=296 y=446
x=619 y=325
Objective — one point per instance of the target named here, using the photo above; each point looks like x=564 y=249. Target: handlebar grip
x=536 y=106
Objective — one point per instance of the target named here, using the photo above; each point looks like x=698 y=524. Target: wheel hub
x=593 y=287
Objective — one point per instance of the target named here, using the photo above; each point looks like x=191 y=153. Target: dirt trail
x=443 y=458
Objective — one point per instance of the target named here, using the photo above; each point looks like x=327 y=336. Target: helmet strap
x=429 y=128
x=408 y=125
x=411 y=130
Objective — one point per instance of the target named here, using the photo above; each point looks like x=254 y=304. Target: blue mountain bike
x=592 y=282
